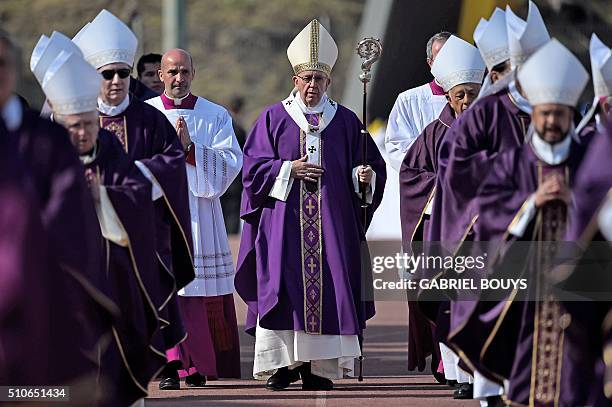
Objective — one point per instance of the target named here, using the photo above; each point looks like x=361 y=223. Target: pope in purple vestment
x=301 y=267
x=269 y=274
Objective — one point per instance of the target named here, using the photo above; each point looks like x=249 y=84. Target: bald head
x=176 y=73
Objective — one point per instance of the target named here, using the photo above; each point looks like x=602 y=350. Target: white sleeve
x=110 y=225
x=156 y=191
x=282 y=186
x=604 y=219
x=523 y=217
x=401 y=132
x=216 y=165
x=369 y=189
x=429 y=206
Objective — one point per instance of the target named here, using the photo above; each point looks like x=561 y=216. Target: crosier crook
x=369 y=49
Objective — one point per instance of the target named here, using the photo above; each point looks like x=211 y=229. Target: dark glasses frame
x=109 y=74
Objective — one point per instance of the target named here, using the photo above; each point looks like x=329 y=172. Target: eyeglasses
x=317 y=79
x=109 y=74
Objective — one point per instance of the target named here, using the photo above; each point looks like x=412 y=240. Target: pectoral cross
x=310 y=207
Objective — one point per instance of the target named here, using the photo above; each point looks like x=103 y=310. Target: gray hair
x=441 y=36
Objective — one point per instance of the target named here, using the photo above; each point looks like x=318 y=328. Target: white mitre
x=553 y=75
x=525 y=37
x=313 y=49
x=71 y=84
x=491 y=38
x=457 y=62
x=107 y=40
x=46 y=50
x=601 y=67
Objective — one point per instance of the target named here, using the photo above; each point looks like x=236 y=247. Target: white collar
x=310 y=110
x=177 y=101
x=113 y=110
x=519 y=99
x=551 y=154
x=297 y=109
x=12 y=113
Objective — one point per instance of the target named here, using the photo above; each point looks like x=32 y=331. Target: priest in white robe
x=414 y=109
x=214 y=159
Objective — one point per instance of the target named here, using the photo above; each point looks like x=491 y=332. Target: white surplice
x=413 y=110
x=218 y=161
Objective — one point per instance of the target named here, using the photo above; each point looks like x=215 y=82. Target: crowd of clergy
x=115 y=265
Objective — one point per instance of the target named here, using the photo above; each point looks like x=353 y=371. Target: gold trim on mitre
x=310 y=59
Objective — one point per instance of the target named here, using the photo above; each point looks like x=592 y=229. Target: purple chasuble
x=490 y=126
x=418 y=177
x=534 y=330
x=590 y=335
x=299 y=265
x=147 y=136
x=66 y=270
x=417 y=182
x=132 y=272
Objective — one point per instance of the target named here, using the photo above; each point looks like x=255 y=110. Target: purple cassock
x=299 y=265
x=148 y=137
x=525 y=339
x=491 y=125
x=417 y=189
x=133 y=359
x=37 y=314
x=40 y=343
x=590 y=335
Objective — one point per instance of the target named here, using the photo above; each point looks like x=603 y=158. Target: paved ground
x=387 y=382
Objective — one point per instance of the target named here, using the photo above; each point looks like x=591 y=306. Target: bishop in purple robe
x=299 y=265
x=589 y=257
x=417 y=181
x=29 y=326
x=152 y=143
x=122 y=199
x=50 y=179
x=526 y=197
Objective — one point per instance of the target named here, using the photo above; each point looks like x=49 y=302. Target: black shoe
x=495 y=401
x=314 y=382
x=465 y=391
x=282 y=379
x=439 y=377
x=452 y=384
x=170 y=383
x=195 y=380
x=169 y=378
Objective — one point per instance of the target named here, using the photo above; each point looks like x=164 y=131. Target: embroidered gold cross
x=311 y=265
x=310 y=207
